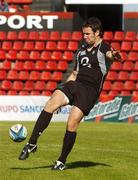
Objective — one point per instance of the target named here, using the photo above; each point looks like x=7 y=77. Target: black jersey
x=93 y=66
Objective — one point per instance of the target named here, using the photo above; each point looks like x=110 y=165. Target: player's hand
x=116 y=55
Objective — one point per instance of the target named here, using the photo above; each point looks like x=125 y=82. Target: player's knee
x=72 y=126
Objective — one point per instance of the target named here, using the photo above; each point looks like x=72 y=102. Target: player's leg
x=74 y=119
x=57 y=100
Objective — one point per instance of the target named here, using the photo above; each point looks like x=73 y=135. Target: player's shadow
x=72 y=165
x=29 y=168
x=84 y=164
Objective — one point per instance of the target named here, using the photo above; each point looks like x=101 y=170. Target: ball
x=18 y=132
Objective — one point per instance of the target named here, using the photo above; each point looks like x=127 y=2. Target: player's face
x=88 y=35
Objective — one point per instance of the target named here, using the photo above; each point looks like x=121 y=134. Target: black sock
x=40 y=125
x=68 y=142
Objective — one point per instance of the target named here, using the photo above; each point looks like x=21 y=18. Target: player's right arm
x=72 y=76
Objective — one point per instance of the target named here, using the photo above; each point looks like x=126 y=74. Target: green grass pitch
x=103 y=151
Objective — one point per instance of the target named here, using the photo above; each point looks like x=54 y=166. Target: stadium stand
x=33 y=63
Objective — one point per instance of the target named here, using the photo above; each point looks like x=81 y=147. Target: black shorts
x=82 y=96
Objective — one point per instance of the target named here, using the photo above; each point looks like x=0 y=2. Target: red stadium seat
x=62 y=65
x=6 y=85
x=12 y=75
x=51 y=85
x=2 y=92
x=119 y=36
x=126 y=46
x=23 y=35
x=125 y=93
x=45 y=75
x=135 y=93
x=68 y=56
x=35 y=93
x=28 y=45
x=17 y=85
x=72 y=45
x=19 y=65
x=137 y=36
x=6 y=45
x=23 y=55
x=40 y=85
x=29 y=65
x=105 y=98
x=116 y=45
x=128 y=66
x=24 y=93
x=135 y=46
x=2 y=54
x=11 y=55
x=3 y=74
x=76 y=36
x=130 y=36
x=29 y=86
x=111 y=76
x=133 y=76
x=43 y=35
x=56 y=55
x=57 y=76
x=23 y=75
x=34 y=75
x=113 y=93
x=134 y=99
x=118 y=86
x=107 y=85
x=3 y=35
x=12 y=35
x=136 y=66
x=108 y=36
x=136 y=86
x=124 y=56
x=132 y=56
x=12 y=92
x=51 y=65
x=51 y=45
x=34 y=55
x=123 y=76
x=61 y=45
x=6 y=65
x=103 y=92
x=33 y=35
x=116 y=66
x=46 y=93
x=54 y=35
x=17 y=45
x=65 y=35
x=129 y=85
x=40 y=65
x=39 y=45
x=45 y=55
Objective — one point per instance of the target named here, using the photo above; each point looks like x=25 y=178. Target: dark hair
x=95 y=24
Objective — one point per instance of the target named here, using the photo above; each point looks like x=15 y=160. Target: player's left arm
x=114 y=55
